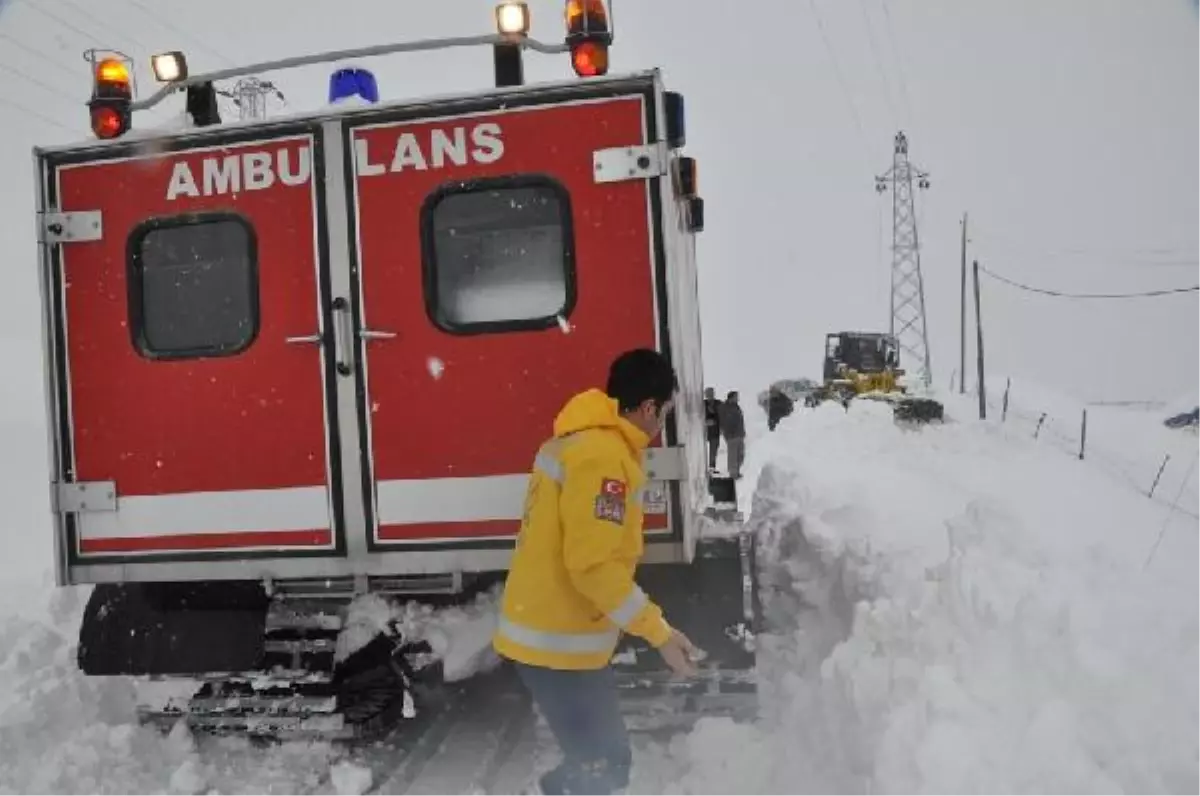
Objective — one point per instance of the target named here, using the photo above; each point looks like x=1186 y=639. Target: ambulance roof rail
x=339 y=55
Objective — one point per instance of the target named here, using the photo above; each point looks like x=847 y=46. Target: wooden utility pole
x=979 y=347
x=962 y=316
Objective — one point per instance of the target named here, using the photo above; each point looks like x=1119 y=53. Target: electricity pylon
x=908 y=289
x=250 y=96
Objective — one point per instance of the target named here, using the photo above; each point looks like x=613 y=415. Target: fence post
x=1004 y=409
x=1161 y=467
x=979 y=349
x=1038 y=430
x=1083 y=435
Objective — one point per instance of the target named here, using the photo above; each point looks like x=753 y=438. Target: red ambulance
x=292 y=361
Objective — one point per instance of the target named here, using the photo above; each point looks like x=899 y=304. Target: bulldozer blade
x=918 y=410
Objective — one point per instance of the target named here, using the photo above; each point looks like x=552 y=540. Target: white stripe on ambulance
x=248 y=171
x=443 y=147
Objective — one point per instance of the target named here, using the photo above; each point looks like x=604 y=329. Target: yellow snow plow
x=866 y=365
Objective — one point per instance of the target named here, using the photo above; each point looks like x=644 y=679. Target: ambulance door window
x=193 y=286
x=499 y=255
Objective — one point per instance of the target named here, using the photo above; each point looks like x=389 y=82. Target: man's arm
x=594 y=505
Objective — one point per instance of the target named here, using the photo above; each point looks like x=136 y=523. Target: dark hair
x=639 y=375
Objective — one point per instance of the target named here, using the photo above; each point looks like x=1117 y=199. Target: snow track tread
x=473 y=743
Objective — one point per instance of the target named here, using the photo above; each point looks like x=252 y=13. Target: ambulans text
x=435 y=149
x=217 y=175
x=245 y=171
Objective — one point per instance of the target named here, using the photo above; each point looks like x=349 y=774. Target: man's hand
x=680 y=653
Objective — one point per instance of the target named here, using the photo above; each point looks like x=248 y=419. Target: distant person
x=733 y=427
x=779 y=406
x=712 y=426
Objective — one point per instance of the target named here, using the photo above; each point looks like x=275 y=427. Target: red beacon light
x=588 y=37
x=112 y=95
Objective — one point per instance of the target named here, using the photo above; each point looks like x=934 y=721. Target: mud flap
x=714 y=601
x=179 y=629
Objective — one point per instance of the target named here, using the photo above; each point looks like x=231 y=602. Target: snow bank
x=957 y=611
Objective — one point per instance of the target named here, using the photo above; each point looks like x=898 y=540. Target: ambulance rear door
x=506 y=252
x=187 y=297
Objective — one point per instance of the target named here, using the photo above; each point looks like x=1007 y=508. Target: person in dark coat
x=733 y=427
x=779 y=406
x=712 y=426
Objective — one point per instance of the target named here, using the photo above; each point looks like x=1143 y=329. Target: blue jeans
x=584 y=714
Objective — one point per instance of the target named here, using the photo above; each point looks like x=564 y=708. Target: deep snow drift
x=961 y=609
x=970 y=611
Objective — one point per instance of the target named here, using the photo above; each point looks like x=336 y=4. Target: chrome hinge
x=79 y=226
x=86 y=496
x=664 y=464
x=629 y=162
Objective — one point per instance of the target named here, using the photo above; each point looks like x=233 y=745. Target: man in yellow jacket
x=570 y=590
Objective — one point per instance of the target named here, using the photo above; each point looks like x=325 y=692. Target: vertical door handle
x=343 y=336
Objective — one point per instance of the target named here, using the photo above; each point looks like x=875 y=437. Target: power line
x=887 y=92
x=95 y=21
x=40 y=8
x=840 y=78
x=38 y=115
x=1111 y=260
x=168 y=25
x=1126 y=254
x=37 y=54
x=899 y=62
x=38 y=82
x=1063 y=294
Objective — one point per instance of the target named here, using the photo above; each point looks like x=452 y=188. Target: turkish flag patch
x=610 y=503
x=611 y=487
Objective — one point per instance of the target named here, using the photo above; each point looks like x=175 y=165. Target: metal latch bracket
x=629 y=163
x=664 y=464
x=78 y=226
x=86 y=497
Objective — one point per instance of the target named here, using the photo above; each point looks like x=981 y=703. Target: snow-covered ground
x=1129 y=442
x=966 y=609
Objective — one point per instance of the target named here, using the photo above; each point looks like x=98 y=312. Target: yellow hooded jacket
x=570 y=588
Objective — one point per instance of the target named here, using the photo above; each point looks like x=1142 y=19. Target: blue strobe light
x=353 y=82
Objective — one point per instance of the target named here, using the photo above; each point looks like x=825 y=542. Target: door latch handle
x=343 y=334
x=307 y=338
x=372 y=334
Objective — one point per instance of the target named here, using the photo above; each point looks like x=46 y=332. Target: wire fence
x=1161 y=469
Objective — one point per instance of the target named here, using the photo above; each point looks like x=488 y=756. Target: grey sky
x=1058 y=124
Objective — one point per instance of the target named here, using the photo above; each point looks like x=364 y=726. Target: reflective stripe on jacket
x=570 y=589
